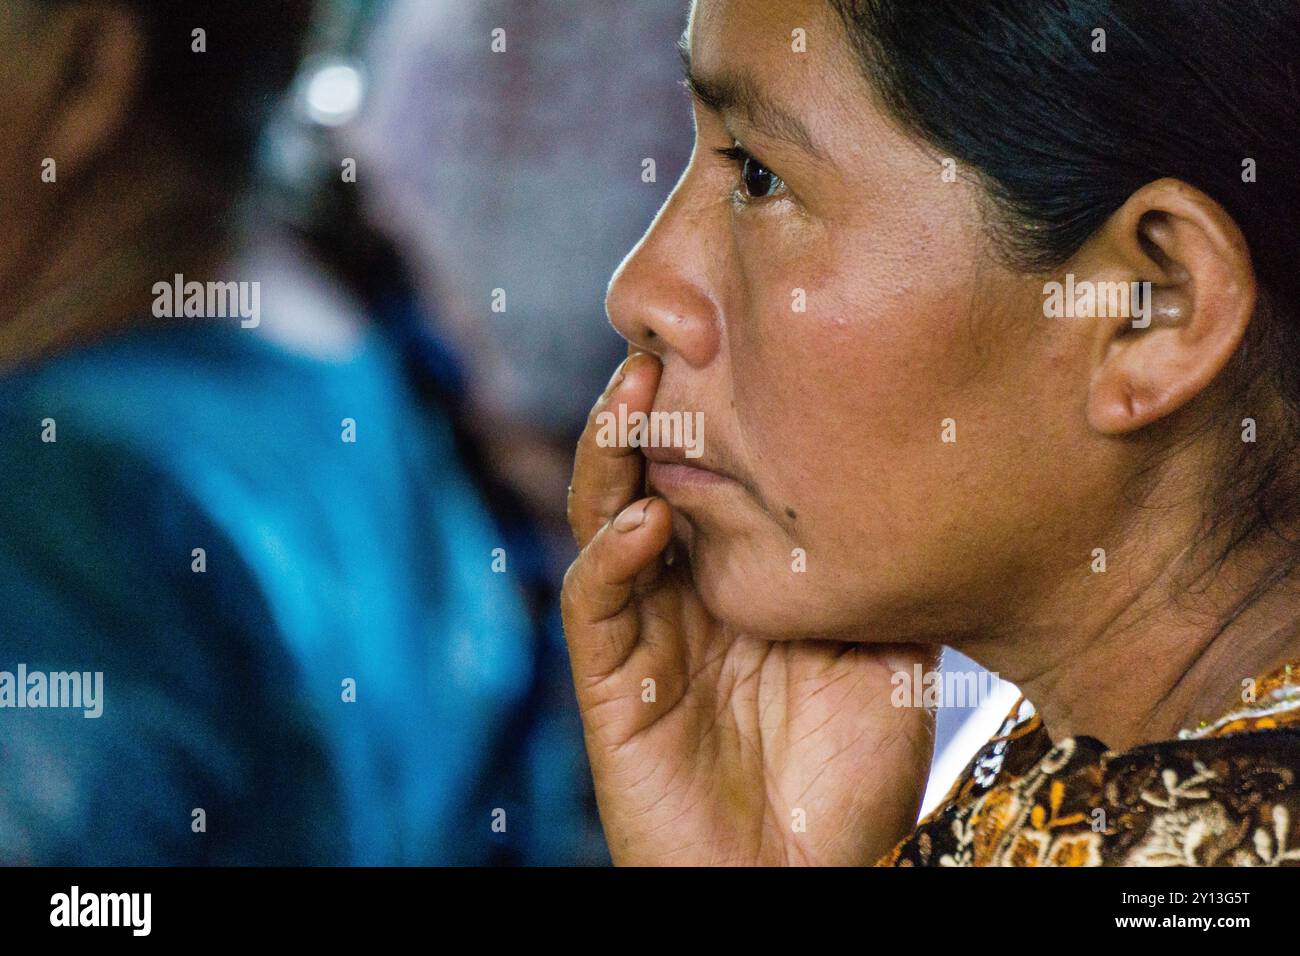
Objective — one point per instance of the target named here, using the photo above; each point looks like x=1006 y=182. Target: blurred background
x=368 y=667
x=500 y=147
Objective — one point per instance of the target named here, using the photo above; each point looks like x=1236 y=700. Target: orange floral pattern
x=1222 y=794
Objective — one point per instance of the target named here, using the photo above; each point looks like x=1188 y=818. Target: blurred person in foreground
x=238 y=516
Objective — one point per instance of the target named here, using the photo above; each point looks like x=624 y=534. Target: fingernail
x=632 y=517
x=616 y=380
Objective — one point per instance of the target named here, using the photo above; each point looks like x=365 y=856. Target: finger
x=607 y=477
x=600 y=616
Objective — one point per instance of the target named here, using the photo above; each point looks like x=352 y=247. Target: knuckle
x=570 y=590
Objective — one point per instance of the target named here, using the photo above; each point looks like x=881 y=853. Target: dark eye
x=757 y=180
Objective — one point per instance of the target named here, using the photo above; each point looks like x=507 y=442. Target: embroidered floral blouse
x=1224 y=794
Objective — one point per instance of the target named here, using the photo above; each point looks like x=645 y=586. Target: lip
x=670 y=470
x=667 y=477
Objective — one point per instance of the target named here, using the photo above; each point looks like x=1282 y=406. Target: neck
x=89 y=268
x=1136 y=669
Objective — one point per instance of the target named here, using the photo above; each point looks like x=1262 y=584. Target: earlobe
x=1190 y=261
x=1139 y=387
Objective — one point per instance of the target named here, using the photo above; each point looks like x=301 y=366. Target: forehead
x=797 y=54
x=787 y=44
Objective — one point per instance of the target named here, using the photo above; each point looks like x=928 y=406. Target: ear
x=1184 y=331
x=98 y=52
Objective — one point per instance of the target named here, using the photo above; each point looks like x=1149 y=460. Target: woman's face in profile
x=830 y=301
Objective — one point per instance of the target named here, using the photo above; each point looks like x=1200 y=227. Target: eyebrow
x=739 y=94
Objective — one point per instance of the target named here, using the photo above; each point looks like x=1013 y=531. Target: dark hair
x=1061 y=134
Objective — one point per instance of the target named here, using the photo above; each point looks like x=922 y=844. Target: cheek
x=19 y=183
x=24 y=186
x=840 y=405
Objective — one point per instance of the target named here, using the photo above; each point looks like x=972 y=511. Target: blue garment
x=327 y=561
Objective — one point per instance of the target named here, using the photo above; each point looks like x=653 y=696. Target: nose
x=664 y=297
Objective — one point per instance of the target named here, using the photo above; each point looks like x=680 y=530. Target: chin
x=758 y=597
x=761 y=596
